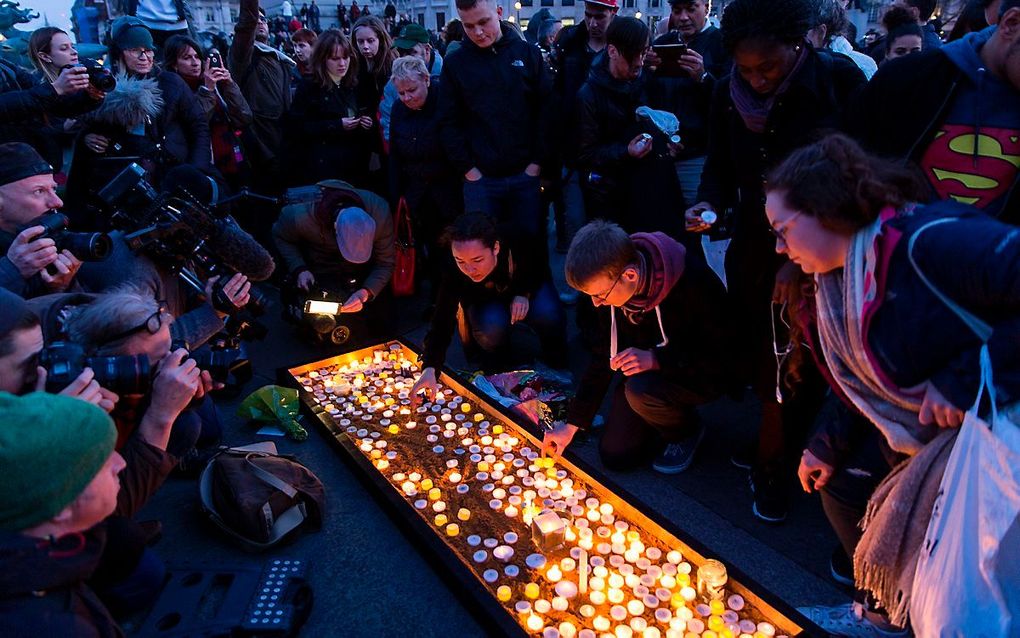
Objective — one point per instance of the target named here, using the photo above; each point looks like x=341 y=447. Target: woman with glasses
x=496 y=281
x=894 y=280
x=781 y=93
x=151 y=118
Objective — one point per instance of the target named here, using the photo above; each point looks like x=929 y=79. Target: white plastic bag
x=967 y=581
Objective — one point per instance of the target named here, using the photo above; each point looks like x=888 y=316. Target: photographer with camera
x=21 y=341
x=53 y=54
x=174 y=414
x=35 y=262
x=341 y=244
x=127 y=573
x=27 y=104
x=151 y=117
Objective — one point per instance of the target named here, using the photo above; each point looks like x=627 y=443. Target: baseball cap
x=355 y=234
x=411 y=35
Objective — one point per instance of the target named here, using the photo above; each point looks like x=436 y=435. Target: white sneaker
x=848 y=620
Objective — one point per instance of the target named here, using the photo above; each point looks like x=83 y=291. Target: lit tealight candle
x=503 y=593
x=532 y=590
x=441 y=520
x=455 y=477
x=503 y=553
x=452 y=529
x=554 y=574
x=535 y=623
x=463 y=514
x=566 y=589
x=510 y=511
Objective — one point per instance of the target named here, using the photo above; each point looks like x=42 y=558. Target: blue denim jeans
x=509 y=200
x=490 y=324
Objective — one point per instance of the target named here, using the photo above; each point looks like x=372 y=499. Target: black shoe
x=841 y=567
x=770 y=498
x=677 y=457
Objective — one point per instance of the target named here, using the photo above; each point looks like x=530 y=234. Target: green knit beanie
x=51 y=447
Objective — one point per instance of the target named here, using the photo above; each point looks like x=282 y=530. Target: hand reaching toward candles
x=426 y=384
x=557 y=440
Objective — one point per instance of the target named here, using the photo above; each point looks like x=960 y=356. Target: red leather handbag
x=403 y=270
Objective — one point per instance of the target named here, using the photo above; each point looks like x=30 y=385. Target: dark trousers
x=197 y=426
x=648 y=409
x=512 y=200
x=489 y=324
x=845 y=497
x=129 y=576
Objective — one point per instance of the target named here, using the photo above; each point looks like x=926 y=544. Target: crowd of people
x=761 y=206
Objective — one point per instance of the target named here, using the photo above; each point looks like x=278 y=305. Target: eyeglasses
x=152 y=325
x=141 y=52
x=604 y=296
x=780 y=233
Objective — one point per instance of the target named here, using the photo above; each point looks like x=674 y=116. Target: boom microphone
x=241 y=251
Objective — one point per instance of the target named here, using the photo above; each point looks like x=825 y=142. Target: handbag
x=967 y=579
x=403 y=269
x=260 y=498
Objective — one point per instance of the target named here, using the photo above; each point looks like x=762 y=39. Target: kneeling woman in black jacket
x=334 y=134
x=497 y=281
x=152 y=118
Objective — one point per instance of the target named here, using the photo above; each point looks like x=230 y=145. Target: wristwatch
x=704 y=76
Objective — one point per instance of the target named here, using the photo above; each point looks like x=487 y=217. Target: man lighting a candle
x=662 y=323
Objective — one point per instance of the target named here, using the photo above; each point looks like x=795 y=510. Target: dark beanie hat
x=128 y=32
x=12 y=309
x=18 y=161
x=51 y=447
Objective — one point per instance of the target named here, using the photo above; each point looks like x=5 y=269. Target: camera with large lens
x=186 y=237
x=224 y=357
x=84 y=246
x=123 y=374
x=101 y=78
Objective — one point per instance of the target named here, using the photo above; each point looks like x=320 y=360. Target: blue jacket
x=914 y=337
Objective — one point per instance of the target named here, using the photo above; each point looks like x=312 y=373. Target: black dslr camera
x=100 y=78
x=124 y=374
x=84 y=246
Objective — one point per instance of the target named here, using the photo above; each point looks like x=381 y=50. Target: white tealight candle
x=503 y=553
x=566 y=589
x=510 y=511
x=535 y=623
x=554 y=574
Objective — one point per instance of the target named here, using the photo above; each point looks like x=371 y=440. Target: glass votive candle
x=712 y=580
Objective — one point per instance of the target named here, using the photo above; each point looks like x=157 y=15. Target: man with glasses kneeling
x=665 y=329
